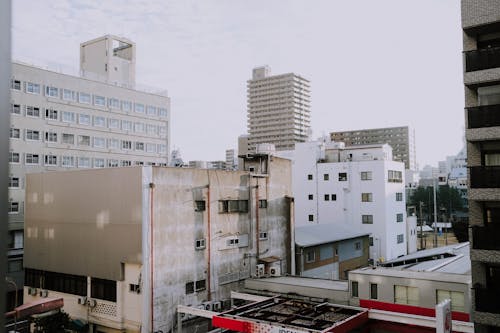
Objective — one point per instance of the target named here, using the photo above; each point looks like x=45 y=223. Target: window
x=68 y=138
x=103 y=289
x=15 y=84
x=32 y=88
x=334 y=197
x=139 y=127
x=84 y=140
x=84 y=98
x=162 y=149
x=400 y=238
x=373 y=291
x=99 y=121
x=114 y=103
x=126 y=144
x=32 y=111
x=406 y=295
x=84 y=119
x=199 y=205
x=139 y=146
x=113 y=123
x=126 y=125
x=394 y=176
x=262 y=203
x=69 y=95
x=151 y=129
x=162 y=130
x=51 y=91
x=233 y=206
x=14 y=182
x=99 y=163
x=50 y=137
x=15 y=265
x=151 y=147
x=232 y=242
x=68 y=161
x=99 y=142
x=399 y=196
x=32 y=159
x=311 y=218
x=15 y=133
x=83 y=162
x=327 y=197
x=189 y=288
x=113 y=143
x=457 y=299
x=13 y=207
x=366 y=197
x=354 y=289
x=162 y=112
x=99 y=100
x=309 y=177
x=151 y=110
x=50 y=160
x=32 y=135
x=65 y=283
x=357 y=245
x=139 y=108
x=134 y=288
x=13 y=157
x=366 y=175
x=15 y=109
x=342 y=176
x=199 y=244
x=310 y=256
x=113 y=163
x=199 y=285
x=370 y=241
x=51 y=114
x=367 y=219
x=310 y=197
x=326 y=176
x=126 y=106
x=262 y=235
x=68 y=117
x=399 y=217
x=126 y=163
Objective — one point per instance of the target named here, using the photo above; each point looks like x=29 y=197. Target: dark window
x=399 y=196
x=262 y=203
x=327 y=197
x=65 y=283
x=309 y=177
x=342 y=176
x=371 y=241
x=310 y=196
x=354 y=289
x=189 y=288
x=326 y=176
x=199 y=205
x=200 y=285
x=233 y=206
x=103 y=289
x=200 y=244
x=134 y=288
x=311 y=218
x=399 y=217
x=373 y=291
x=310 y=256
x=334 y=197
x=367 y=219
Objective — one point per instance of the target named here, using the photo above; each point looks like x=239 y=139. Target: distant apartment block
x=231 y=159
x=481 y=54
x=401 y=139
x=359 y=188
x=278 y=109
x=65 y=122
x=125 y=246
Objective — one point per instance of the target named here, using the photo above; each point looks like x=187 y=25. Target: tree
x=448 y=200
x=55 y=323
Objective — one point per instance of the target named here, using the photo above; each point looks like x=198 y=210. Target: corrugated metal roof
x=317 y=234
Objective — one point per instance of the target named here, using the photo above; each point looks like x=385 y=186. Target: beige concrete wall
x=85 y=222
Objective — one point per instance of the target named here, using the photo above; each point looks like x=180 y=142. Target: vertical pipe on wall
x=209 y=243
x=151 y=252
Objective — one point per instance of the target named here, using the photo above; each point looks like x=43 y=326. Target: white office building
x=358 y=187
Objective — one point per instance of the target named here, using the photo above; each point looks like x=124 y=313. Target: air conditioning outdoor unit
x=217 y=306
x=208 y=306
x=82 y=300
x=92 y=303
x=259 y=272
x=44 y=293
x=275 y=271
x=32 y=291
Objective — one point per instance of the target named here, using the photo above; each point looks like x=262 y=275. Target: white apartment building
x=96 y=120
x=359 y=188
x=278 y=109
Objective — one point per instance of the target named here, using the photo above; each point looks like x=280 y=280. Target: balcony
x=485 y=177
x=486 y=237
x=487 y=300
x=477 y=60
x=483 y=116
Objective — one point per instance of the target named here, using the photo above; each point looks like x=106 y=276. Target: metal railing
x=482 y=59
x=486 y=237
x=483 y=116
x=487 y=299
x=485 y=177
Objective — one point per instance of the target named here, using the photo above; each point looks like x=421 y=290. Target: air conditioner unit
x=259 y=272
x=275 y=271
x=82 y=300
x=217 y=306
x=44 y=293
x=32 y=291
x=92 y=303
x=208 y=306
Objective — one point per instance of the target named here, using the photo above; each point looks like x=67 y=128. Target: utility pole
x=421 y=227
x=435 y=212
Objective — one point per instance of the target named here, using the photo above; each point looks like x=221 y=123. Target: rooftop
x=318 y=234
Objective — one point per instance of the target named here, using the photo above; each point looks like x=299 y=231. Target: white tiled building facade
x=357 y=187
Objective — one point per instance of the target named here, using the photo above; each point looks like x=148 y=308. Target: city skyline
x=379 y=58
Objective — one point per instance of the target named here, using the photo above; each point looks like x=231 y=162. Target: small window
x=67 y=117
x=342 y=176
x=373 y=291
x=399 y=217
x=139 y=146
x=326 y=176
x=162 y=112
x=457 y=299
x=370 y=241
x=199 y=205
x=84 y=98
x=189 y=288
x=126 y=144
x=200 y=285
x=15 y=133
x=139 y=108
x=366 y=197
x=311 y=218
x=354 y=289
x=114 y=103
x=68 y=161
x=400 y=238
x=334 y=197
x=13 y=182
x=15 y=109
x=310 y=197
x=366 y=175
x=309 y=177
x=32 y=159
x=263 y=235
x=51 y=114
x=14 y=157
x=68 y=138
x=113 y=163
x=32 y=111
x=99 y=121
x=32 y=135
x=399 y=196
x=99 y=100
x=200 y=244
x=99 y=163
x=15 y=84
x=134 y=288
x=327 y=197
x=84 y=119
x=13 y=207
x=367 y=219
x=84 y=140
x=51 y=91
x=310 y=256
x=50 y=160
x=33 y=88
x=357 y=246
x=263 y=203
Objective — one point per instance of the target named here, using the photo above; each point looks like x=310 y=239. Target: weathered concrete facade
x=170 y=235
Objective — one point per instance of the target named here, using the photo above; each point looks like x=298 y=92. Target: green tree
x=448 y=200
x=55 y=323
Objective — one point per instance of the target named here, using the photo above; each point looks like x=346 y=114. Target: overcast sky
x=371 y=63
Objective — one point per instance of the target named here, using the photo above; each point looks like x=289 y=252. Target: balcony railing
x=482 y=59
x=483 y=116
x=486 y=237
x=487 y=300
x=485 y=177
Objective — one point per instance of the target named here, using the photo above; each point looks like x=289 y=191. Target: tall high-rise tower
x=481 y=42
x=278 y=109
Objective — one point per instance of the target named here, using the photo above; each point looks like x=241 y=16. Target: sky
x=371 y=63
